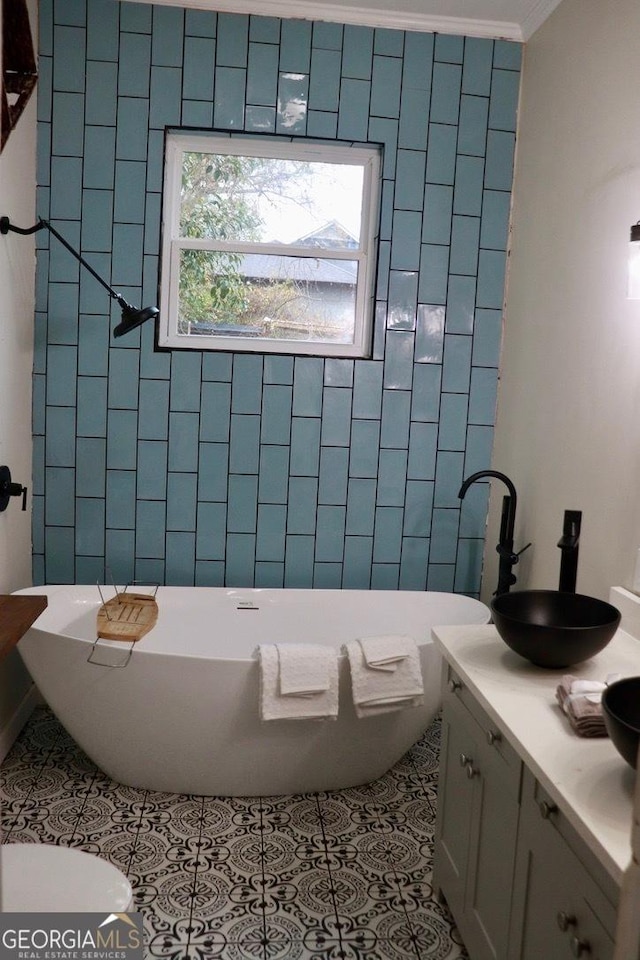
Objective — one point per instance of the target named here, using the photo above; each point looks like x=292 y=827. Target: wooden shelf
x=17 y=613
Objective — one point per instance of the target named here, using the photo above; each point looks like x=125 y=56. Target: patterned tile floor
x=343 y=875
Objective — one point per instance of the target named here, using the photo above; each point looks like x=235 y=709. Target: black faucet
x=568 y=544
x=508 y=559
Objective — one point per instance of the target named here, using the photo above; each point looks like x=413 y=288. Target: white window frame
x=365 y=156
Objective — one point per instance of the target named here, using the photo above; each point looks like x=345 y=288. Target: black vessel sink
x=553 y=629
x=621 y=712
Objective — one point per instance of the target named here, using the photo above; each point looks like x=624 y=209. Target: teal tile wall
x=258 y=470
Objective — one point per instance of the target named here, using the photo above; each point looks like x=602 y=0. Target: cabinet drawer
x=455 y=690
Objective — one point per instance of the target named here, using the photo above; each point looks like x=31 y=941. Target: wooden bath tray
x=127 y=616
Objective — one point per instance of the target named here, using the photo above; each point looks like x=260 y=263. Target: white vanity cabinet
x=533 y=827
x=478 y=811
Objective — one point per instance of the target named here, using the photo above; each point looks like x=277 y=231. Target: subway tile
x=410 y=176
x=473 y=510
x=103 y=41
x=394 y=427
x=418 y=506
x=438 y=207
x=150 y=529
x=498 y=171
x=264 y=29
x=336 y=416
x=167 y=36
x=465 y=244
x=292 y=103
x=247 y=384
x=183 y=441
x=483 y=395
x=89 y=526
x=440 y=577
x=387 y=538
x=119 y=556
x=101 y=93
x=166 y=90
x=244 y=447
x=491 y=269
x=273 y=478
x=67 y=135
x=276 y=413
x=97 y=220
x=69 y=58
x=330 y=533
x=199 y=113
x=302 y=505
x=434 y=271
x=507 y=55
x=123 y=379
x=200 y=23
x=240 y=560
x=198 y=69
x=354 y=109
x=328 y=36
x=122 y=438
x=155 y=160
x=386 y=80
x=425 y=398
x=445 y=93
x=333 y=476
x=414 y=563
x=367 y=390
x=131 y=133
x=59 y=555
x=153 y=406
x=91 y=466
x=487 y=338
x=444 y=537
x=430 y=324
x=228 y=111
x=185 y=380
x=91 y=418
x=129 y=195
x=477 y=66
x=149 y=571
x=338 y=372
x=233 y=36
x=472 y=130
x=60 y=496
x=136 y=18
x=63 y=313
x=414 y=119
x=38 y=466
x=180 y=558
x=423 y=439
x=295 y=46
x=127 y=254
x=211 y=531
x=456 y=370
x=152 y=469
x=468 y=565
x=62 y=362
x=215 y=411
x=467 y=197
x=271 y=532
x=364 y=448
x=392 y=478
x=453 y=421
x=449 y=476
x=358 y=554
x=134 y=65
x=213 y=469
x=324 y=83
x=327 y=576
x=217 y=366
x=418 y=61
x=181 y=501
x=322 y=124
x=66 y=186
x=60 y=437
x=494 y=230
x=305 y=447
x=298 y=565
x=278 y=369
x=503 y=105
x=384 y=130
x=93 y=346
x=405 y=243
x=357 y=53
x=398 y=366
x=461 y=299
x=269 y=574
x=262 y=74
x=441 y=153
x=99 y=157
x=449 y=48
x=38 y=404
x=121 y=499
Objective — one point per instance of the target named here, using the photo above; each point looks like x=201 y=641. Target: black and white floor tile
x=344 y=875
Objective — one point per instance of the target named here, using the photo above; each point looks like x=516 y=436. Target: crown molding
x=536 y=17
x=367 y=16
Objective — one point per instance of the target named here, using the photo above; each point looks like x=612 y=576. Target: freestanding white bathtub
x=183 y=714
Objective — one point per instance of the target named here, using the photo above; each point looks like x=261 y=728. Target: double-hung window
x=269 y=244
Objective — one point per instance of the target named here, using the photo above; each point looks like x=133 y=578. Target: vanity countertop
x=587 y=778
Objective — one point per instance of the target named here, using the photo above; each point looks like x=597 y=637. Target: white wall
x=17 y=200
x=568 y=424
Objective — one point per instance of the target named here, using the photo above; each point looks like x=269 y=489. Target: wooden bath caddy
x=127 y=616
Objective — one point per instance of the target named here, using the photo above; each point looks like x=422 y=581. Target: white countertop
x=587 y=778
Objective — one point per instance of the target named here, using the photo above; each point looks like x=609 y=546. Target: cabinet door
x=557 y=907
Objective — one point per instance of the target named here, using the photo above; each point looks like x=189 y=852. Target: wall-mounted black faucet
x=568 y=544
x=508 y=559
x=9 y=489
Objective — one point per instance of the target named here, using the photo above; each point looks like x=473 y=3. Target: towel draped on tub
x=298 y=681
x=385 y=674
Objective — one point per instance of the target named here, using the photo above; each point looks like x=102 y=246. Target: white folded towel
x=378 y=691
x=304 y=668
x=386 y=652
x=300 y=704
